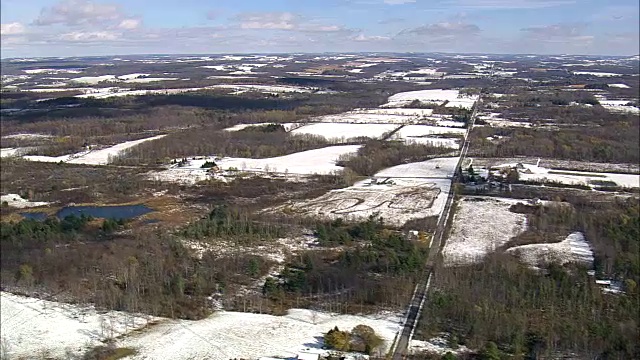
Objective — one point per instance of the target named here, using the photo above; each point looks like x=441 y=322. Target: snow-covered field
x=33 y=327
x=227 y=335
x=287 y=126
x=317 y=161
x=423 y=134
x=93 y=80
x=574 y=248
x=480 y=225
x=12 y=152
x=539 y=173
x=401 y=193
x=366 y=118
x=596 y=73
x=620 y=86
x=345 y=130
x=15 y=200
x=92 y=157
x=264 y=88
x=437 y=96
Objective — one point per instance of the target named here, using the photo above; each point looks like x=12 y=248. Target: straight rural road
x=420 y=293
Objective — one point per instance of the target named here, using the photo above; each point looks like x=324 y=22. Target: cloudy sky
x=106 y=27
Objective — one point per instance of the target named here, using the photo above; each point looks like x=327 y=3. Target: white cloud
x=362 y=37
x=90 y=36
x=14 y=28
x=129 y=24
x=269 y=21
x=79 y=12
x=441 y=29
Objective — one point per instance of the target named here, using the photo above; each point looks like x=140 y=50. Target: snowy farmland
x=92 y=157
x=33 y=327
x=437 y=97
x=424 y=134
x=227 y=335
x=480 y=225
x=399 y=194
x=573 y=249
x=532 y=172
x=317 y=161
x=287 y=126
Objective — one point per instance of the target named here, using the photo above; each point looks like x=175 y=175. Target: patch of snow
x=595 y=73
x=15 y=200
x=238 y=127
x=93 y=80
x=26 y=136
x=438 y=345
x=573 y=249
x=93 y=157
x=437 y=96
x=620 y=86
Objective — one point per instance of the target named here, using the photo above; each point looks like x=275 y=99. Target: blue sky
x=105 y=27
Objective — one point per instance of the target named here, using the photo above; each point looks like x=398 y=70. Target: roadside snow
x=33 y=327
x=480 y=225
x=574 y=248
x=227 y=335
x=438 y=345
x=317 y=161
x=15 y=200
x=93 y=157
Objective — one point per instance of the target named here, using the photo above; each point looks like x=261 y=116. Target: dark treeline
x=561 y=311
x=211 y=141
x=376 y=155
x=616 y=142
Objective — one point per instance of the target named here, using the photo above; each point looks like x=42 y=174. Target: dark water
x=106 y=212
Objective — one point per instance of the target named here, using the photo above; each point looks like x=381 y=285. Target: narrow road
x=420 y=293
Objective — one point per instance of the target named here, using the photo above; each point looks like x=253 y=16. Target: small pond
x=106 y=212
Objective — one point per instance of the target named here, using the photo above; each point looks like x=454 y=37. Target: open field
x=33 y=327
x=480 y=226
x=400 y=193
